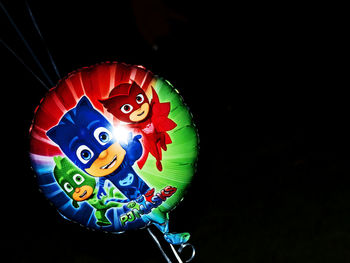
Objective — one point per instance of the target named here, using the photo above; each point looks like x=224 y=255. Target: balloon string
x=42 y=39
x=175 y=253
x=159 y=246
x=26 y=44
x=20 y=60
x=182 y=246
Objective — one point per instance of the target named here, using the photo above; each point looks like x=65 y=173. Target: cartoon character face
x=74 y=182
x=128 y=103
x=86 y=138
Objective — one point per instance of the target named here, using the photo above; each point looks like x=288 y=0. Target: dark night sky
x=264 y=84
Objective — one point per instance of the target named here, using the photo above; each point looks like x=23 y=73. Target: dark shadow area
x=264 y=86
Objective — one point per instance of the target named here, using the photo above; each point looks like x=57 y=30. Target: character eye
x=68 y=187
x=102 y=135
x=126 y=108
x=84 y=153
x=78 y=179
x=139 y=98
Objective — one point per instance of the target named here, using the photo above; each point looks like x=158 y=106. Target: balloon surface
x=114 y=148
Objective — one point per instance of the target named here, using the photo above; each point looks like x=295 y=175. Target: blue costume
x=125 y=178
x=83 y=134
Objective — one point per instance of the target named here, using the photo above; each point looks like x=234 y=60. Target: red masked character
x=129 y=103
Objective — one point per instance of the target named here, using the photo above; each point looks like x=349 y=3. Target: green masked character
x=81 y=187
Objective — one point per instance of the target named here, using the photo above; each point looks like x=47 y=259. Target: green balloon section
x=158 y=190
x=179 y=159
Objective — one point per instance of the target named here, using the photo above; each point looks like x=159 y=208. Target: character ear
x=108 y=104
x=58 y=160
x=105 y=102
x=155 y=97
x=52 y=133
x=84 y=102
x=133 y=86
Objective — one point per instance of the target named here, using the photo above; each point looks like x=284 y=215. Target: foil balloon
x=114 y=148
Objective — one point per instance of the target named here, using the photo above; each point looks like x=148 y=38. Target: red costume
x=129 y=103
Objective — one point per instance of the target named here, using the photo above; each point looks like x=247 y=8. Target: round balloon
x=114 y=148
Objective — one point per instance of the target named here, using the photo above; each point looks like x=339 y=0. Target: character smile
x=82 y=193
x=108 y=161
x=140 y=114
x=110 y=164
x=82 y=196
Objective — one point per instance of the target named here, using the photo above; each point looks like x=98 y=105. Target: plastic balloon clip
x=176 y=252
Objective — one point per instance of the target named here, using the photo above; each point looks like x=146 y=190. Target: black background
x=264 y=84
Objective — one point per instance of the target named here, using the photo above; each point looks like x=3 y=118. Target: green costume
x=81 y=187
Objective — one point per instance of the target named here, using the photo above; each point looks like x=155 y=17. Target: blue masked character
x=86 y=138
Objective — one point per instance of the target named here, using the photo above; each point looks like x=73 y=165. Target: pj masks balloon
x=114 y=148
